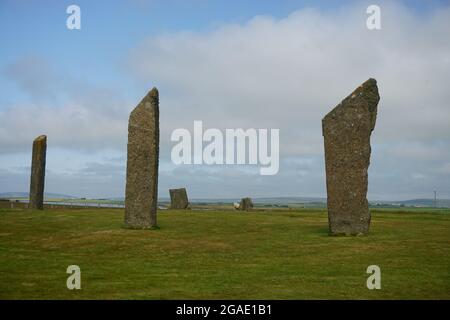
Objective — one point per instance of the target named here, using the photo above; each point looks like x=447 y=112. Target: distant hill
x=321 y=202
x=10 y=195
x=263 y=201
x=289 y=200
x=440 y=203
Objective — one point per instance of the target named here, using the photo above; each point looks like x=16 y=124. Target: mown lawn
x=221 y=255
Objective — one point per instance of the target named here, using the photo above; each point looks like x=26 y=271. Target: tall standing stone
x=178 y=199
x=346 y=130
x=141 y=193
x=37 y=180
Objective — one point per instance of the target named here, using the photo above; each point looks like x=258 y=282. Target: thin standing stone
x=37 y=180
x=141 y=194
x=347 y=130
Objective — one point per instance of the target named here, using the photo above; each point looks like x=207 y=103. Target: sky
x=230 y=64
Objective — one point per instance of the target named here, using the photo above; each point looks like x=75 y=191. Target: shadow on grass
x=322 y=232
x=325 y=232
x=124 y=226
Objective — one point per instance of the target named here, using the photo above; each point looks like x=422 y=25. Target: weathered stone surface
x=178 y=199
x=346 y=130
x=37 y=180
x=141 y=193
x=246 y=204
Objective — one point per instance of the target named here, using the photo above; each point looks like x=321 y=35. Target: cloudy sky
x=231 y=64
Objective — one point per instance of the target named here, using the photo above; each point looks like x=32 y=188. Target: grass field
x=222 y=255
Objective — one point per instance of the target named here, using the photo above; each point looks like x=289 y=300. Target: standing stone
x=141 y=193
x=246 y=204
x=346 y=130
x=37 y=180
x=178 y=199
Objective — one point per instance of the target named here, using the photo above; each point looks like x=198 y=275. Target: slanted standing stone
x=346 y=130
x=37 y=180
x=246 y=204
x=141 y=193
x=178 y=199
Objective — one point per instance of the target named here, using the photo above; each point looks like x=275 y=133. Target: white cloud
x=273 y=73
x=74 y=114
x=289 y=73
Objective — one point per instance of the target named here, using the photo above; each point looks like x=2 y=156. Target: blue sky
x=78 y=86
x=111 y=28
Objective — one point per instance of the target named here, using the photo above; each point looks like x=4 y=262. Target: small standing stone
x=37 y=180
x=178 y=199
x=246 y=204
x=141 y=194
x=347 y=130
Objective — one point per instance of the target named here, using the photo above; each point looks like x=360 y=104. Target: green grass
x=222 y=255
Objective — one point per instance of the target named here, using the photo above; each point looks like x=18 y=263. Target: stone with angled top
x=141 y=194
x=347 y=130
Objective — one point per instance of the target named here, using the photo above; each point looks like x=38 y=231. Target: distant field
x=227 y=204
x=283 y=254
